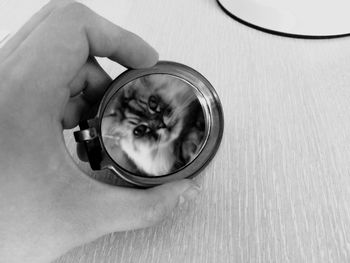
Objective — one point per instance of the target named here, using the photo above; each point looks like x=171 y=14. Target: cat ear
x=146 y=81
x=126 y=91
x=189 y=149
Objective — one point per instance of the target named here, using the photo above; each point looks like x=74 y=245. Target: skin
x=49 y=78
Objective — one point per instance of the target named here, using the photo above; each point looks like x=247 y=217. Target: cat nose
x=161 y=125
x=157 y=124
x=154 y=135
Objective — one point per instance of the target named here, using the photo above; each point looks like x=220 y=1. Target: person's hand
x=49 y=78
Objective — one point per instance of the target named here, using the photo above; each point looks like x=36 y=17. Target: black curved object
x=270 y=31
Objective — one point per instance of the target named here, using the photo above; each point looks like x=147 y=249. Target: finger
x=87 y=89
x=75 y=32
x=119 y=44
x=33 y=22
x=120 y=209
x=92 y=80
x=75 y=109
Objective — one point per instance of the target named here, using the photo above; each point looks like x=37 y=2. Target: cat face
x=145 y=122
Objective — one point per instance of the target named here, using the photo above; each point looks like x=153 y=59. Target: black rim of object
x=283 y=34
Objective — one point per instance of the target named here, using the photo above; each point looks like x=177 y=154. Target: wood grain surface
x=279 y=188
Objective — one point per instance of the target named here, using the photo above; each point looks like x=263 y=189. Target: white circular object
x=295 y=18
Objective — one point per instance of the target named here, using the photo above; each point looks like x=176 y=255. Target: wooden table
x=279 y=188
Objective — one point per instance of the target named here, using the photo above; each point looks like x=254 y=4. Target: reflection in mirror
x=154 y=125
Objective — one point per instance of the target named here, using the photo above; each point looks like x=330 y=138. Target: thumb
x=114 y=209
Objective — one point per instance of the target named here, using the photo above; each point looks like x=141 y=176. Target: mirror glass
x=310 y=18
x=154 y=125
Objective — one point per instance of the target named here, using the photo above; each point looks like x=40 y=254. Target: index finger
x=61 y=44
x=29 y=26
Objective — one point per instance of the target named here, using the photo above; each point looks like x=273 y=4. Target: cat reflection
x=154 y=126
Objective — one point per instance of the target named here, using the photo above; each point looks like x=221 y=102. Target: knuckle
x=156 y=213
x=69 y=22
x=75 y=11
x=79 y=9
x=59 y=3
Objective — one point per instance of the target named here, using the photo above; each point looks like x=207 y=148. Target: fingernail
x=189 y=194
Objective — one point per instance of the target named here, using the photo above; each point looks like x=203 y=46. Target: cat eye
x=153 y=102
x=141 y=130
x=173 y=146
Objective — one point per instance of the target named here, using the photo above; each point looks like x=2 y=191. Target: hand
x=49 y=78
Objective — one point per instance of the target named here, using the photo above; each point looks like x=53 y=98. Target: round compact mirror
x=155 y=125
